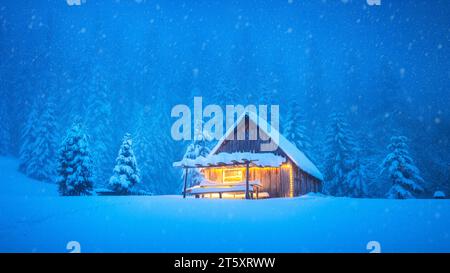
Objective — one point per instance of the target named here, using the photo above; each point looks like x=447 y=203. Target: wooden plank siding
x=270 y=178
x=274 y=181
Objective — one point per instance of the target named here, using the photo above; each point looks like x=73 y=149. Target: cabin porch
x=232 y=175
x=209 y=189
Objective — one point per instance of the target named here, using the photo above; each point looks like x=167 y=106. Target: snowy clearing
x=33 y=218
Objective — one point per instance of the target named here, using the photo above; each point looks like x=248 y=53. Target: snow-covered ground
x=33 y=218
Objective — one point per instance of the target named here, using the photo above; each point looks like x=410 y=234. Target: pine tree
x=356 y=179
x=42 y=162
x=266 y=92
x=198 y=147
x=399 y=166
x=268 y=86
x=126 y=172
x=5 y=137
x=155 y=150
x=314 y=91
x=98 y=121
x=295 y=129
x=369 y=157
x=28 y=137
x=162 y=156
x=143 y=145
x=76 y=97
x=225 y=92
x=339 y=155
x=165 y=152
x=75 y=163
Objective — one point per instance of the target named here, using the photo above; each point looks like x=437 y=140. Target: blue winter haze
x=336 y=68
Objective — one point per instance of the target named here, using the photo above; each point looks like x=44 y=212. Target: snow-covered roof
x=439 y=194
x=297 y=156
x=257 y=159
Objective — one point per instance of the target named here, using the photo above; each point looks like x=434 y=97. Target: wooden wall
x=247 y=144
x=275 y=181
x=305 y=183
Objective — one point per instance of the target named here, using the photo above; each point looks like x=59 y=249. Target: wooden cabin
x=242 y=169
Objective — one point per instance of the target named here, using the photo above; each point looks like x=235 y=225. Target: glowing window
x=232 y=175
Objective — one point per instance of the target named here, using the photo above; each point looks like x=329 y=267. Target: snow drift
x=33 y=218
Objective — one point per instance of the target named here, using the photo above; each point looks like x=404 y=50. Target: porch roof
x=232 y=159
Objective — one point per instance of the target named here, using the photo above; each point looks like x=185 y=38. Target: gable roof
x=297 y=156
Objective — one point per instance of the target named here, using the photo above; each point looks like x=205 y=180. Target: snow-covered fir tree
x=225 y=92
x=98 y=123
x=155 y=149
x=41 y=164
x=339 y=156
x=294 y=128
x=267 y=90
x=357 y=179
x=28 y=137
x=126 y=172
x=369 y=157
x=198 y=147
x=76 y=96
x=143 y=147
x=164 y=156
x=5 y=129
x=403 y=173
x=75 y=163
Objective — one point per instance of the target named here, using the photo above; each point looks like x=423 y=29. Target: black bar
x=228 y=262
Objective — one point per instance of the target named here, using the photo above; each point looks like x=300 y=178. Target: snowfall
x=33 y=218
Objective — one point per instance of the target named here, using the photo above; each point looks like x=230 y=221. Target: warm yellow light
x=236 y=174
x=224 y=195
x=226 y=175
x=232 y=175
x=291 y=179
x=264 y=168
